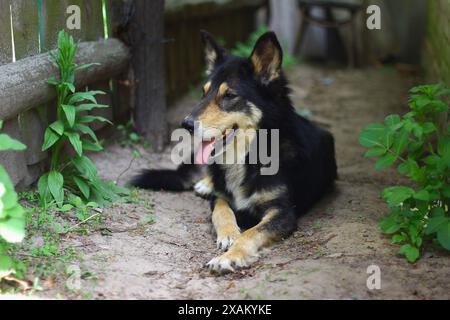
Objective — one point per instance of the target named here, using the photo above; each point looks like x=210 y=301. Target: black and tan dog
x=250 y=211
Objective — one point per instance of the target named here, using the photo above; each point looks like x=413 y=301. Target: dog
x=250 y=210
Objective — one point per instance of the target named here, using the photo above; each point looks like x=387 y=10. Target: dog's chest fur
x=234 y=176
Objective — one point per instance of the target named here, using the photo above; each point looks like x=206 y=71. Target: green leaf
x=70 y=113
x=422 y=195
x=86 y=167
x=86 y=130
x=411 y=253
x=55 y=185
x=434 y=224
x=44 y=191
x=83 y=96
x=444 y=146
x=429 y=127
x=89 y=107
x=86 y=66
x=401 y=142
x=91 y=146
x=443 y=235
x=386 y=161
x=12 y=230
x=58 y=127
x=392 y=120
x=389 y=225
x=50 y=138
x=398 y=238
x=397 y=195
x=16 y=212
x=375 y=152
x=75 y=141
x=83 y=186
x=8 y=143
x=372 y=135
x=89 y=119
x=6 y=266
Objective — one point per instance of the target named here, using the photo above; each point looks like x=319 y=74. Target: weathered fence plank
x=23 y=84
x=14 y=162
x=148 y=64
x=25 y=17
x=119 y=13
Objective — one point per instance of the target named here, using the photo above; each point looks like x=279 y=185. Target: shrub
x=420 y=149
x=12 y=215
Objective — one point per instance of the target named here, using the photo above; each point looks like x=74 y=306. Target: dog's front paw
x=204 y=188
x=224 y=242
x=230 y=261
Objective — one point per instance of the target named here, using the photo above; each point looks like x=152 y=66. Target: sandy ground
x=327 y=258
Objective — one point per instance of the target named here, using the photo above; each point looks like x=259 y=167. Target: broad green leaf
x=429 y=127
x=398 y=238
x=401 y=142
x=58 y=127
x=55 y=185
x=397 y=195
x=16 y=212
x=443 y=235
x=386 y=161
x=44 y=191
x=392 y=120
x=50 y=138
x=75 y=141
x=86 y=130
x=83 y=96
x=83 y=186
x=9 y=199
x=372 y=135
x=389 y=225
x=422 y=195
x=8 y=143
x=434 y=224
x=375 y=152
x=91 y=146
x=70 y=113
x=411 y=253
x=6 y=266
x=12 y=230
x=86 y=167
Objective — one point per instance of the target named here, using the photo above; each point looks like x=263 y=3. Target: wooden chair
x=329 y=22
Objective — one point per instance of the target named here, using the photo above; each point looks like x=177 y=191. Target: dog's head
x=239 y=92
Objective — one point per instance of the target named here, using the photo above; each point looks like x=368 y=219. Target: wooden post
x=147 y=28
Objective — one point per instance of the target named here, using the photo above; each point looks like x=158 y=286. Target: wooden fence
x=230 y=22
x=132 y=71
x=29 y=29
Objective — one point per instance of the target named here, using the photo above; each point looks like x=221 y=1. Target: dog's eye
x=230 y=95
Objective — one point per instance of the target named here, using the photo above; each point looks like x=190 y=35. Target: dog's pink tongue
x=204 y=153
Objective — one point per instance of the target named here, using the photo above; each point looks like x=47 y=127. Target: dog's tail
x=181 y=179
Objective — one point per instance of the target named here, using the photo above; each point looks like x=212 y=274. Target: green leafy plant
x=12 y=214
x=245 y=49
x=420 y=148
x=75 y=174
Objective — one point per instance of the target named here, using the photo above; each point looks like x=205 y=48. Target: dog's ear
x=267 y=58
x=214 y=54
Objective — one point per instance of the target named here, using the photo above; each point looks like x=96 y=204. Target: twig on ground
x=81 y=223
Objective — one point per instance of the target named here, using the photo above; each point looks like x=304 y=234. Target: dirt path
x=326 y=258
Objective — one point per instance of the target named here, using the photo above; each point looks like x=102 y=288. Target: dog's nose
x=188 y=124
